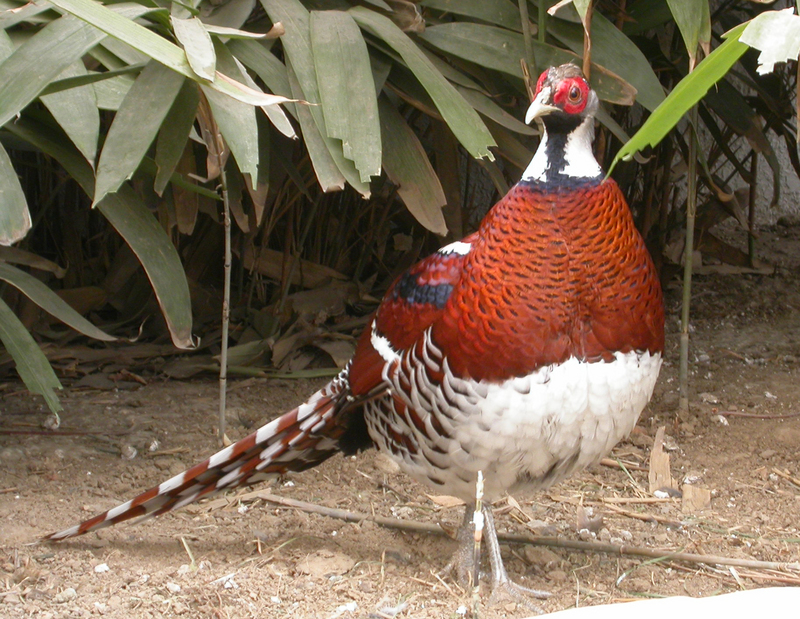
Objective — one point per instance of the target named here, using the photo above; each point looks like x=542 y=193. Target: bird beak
x=539 y=107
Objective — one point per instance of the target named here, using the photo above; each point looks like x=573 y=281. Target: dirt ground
x=248 y=558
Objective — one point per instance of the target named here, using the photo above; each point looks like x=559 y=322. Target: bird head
x=563 y=94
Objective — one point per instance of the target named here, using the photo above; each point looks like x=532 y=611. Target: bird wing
x=413 y=303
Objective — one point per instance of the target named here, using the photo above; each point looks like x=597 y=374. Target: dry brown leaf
x=695 y=498
x=270 y=263
x=443 y=500
x=659 y=476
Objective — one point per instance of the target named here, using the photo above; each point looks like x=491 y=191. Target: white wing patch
x=383 y=346
x=459 y=247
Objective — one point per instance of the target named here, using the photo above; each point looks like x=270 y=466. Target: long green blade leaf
x=135 y=126
x=158 y=48
x=236 y=120
x=689 y=91
x=15 y=219
x=32 y=366
x=50 y=302
x=408 y=167
x=297 y=47
x=464 y=121
x=83 y=128
x=613 y=51
x=43 y=57
x=158 y=256
x=196 y=42
x=500 y=49
x=174 y=133
x=347 y=89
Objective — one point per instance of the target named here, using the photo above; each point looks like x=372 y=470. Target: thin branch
x=537 y=540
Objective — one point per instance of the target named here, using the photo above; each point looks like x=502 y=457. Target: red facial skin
x=571 y=94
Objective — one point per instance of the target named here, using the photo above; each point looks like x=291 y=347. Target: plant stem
x=688 y=254
x=526 y=34
x=751 y=214
x=226 y=301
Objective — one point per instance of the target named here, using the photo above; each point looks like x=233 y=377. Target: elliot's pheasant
x=525 y=351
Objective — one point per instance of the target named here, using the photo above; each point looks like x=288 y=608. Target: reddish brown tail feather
x=298 y=440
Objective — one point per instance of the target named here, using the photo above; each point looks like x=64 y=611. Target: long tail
x=298 y=440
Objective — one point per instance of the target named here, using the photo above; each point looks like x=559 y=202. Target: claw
x=461 y=565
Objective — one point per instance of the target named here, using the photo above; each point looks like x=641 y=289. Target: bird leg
x=462 y=564
x=501 y=583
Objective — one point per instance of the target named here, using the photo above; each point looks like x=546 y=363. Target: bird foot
x=462 y=566
x=508 y=590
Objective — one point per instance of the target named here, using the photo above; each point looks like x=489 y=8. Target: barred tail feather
x=297 y=440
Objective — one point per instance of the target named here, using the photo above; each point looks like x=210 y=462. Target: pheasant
x=525 y=351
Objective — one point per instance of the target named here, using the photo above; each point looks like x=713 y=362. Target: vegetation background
x=320 y=147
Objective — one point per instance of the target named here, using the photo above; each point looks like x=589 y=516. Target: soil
x=248 y=558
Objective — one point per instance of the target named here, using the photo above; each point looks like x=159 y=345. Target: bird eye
x=574 y=94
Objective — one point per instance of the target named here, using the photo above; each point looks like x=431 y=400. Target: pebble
x=557 y=575
x=67 y=595
x=767 y=453
x=102 y=568
x=173 y=587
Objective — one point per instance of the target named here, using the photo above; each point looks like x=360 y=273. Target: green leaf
x=408 y=167
x=233 y=33
x=347 y=89
x=158 y=256
x=15 y=219
x=52 y=141
x=196 y=42
x=157 y=48
x=686 y=93
x=174 y=133
x=91 y=77
x=264 y=63
x=111 y=93
x=463 y=121
x=501 y=50
x=329 y=176
x=83 y=128
x=498 y=12
x=32 y=366
x=50 y=302
x=777 y=35
x=235 y=120
x=297 y=47
x=233 y=13
x=135 y=126
x=490 y=109
x=694 y=22
x=273 y=73
x=44 y=56
x=613 y=51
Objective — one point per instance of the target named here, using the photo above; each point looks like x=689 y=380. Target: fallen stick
x=536 y=540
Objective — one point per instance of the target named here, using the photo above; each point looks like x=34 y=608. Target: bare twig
x=787 y=477
x=756 y=415
x=616 y=464
x=538 y=540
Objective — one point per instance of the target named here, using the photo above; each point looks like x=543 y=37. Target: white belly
x=524 y=434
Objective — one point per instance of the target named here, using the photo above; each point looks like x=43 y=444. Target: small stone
x=114 y=601
x=536 y=555
x=767 y=454
x=102 y=568
x=557 y=575
x=67 y=595
x=173 y=587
